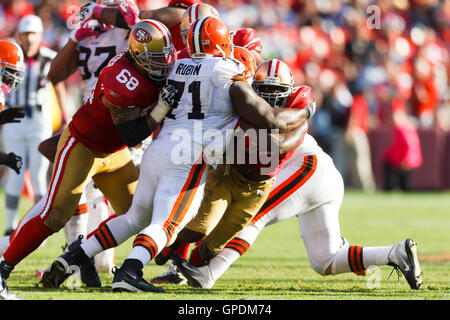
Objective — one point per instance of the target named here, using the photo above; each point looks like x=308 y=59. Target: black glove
x=14 y=162
x=11 y=115
x=168 y=95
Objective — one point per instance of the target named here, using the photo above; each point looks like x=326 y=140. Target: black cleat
x=67 y=264
x=126 y=280
x=89 y=275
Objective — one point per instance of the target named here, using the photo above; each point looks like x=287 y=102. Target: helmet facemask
x=11 y=77
x=275 y=95
x=157 y=64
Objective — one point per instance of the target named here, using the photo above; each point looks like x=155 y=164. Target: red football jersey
x=300 y=98
x=121 y=85
x=176 y=38
x=182 y=54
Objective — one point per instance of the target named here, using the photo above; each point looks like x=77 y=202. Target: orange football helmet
x=208 y=36
x=194 y=13
x=151 y=47
x=11 y=66
x=247 y=58
x=273 y=81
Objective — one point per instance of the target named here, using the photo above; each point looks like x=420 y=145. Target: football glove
x=166 y=101
x=130 y=12
x=14 y=162
x=90 y=10
x=83 y=32
x=11 y=115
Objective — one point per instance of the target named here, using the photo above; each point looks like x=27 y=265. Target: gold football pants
x=114 y=174
x=230 y=201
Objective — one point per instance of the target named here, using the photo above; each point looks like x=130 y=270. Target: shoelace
x=399 y=273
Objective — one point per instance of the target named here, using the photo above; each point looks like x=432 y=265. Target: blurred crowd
x=365 y=60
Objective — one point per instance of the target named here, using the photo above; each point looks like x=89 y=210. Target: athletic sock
x=28 y=239
x=77 y=224
x=182 y=250
x=357 y=259
x=11 y=216
x=220 y=263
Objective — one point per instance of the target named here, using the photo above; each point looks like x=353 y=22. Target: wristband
x=159 y=112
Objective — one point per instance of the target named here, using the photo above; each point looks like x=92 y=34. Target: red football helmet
x=11 y=66
x=209 y=36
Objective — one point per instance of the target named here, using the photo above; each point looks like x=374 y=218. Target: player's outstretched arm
x=64 y=64
x=256 y=111
x=170 y=16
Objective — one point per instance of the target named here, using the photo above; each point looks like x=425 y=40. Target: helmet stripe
x=277 y=66
x=163 y=29
x=198 y=34
x=269 y=69
x=191 y=13
x=197 y=8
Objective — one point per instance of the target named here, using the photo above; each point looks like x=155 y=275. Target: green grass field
x=277 y=267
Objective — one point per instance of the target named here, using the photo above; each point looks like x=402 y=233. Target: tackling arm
x=168 y=15
x=130 y=125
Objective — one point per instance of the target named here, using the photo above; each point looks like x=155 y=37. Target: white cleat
x=404 y=258
x=5 y=294
x=199 y=277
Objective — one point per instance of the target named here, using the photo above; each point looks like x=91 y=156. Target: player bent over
x=94 y=144
x=310 y=187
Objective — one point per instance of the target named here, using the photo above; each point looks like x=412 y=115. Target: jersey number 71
x=194 y=89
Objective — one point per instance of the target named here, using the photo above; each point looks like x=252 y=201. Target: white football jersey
x=204 y=117
x=2 y=99
x=94 y=54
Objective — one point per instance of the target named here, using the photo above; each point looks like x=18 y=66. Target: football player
x=243 y=40
x=227 y=206
x=90 y=47
x=171 y=179
x=127 y=15
x=12 y=68
x=172 y=275
x=309 y=187
x=125 y=107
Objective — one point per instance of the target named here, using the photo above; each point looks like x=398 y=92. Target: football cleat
x=5 y=294
x=67 y=264
x=172 y=276
x=127 y=280
x=89 y=275
x=404 y=258
x=199 y=277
